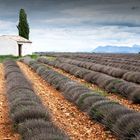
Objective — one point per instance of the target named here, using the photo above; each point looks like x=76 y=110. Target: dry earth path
x=111 y=96
x=64 y=114
x=6 y=131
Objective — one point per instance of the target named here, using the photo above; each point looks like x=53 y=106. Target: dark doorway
x=19 y=49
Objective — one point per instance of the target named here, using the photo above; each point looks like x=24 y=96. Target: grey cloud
x=89 y=11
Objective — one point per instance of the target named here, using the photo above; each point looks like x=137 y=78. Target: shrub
x=88 y=101
x=115 y=114
x=40 y=69
x=127 y=129
x=14 y=75
x=11 y=70
x=82 y=97
x=39 y=129
x=132 y=77
x=29 y=112
x=88 y=77
x=18 y=83
x=96 y=113
x=20 y=104
x=135 y=96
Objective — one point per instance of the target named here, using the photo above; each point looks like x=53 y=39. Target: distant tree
x=23 y=26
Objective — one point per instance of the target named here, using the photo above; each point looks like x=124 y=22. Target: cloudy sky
x=74 y=25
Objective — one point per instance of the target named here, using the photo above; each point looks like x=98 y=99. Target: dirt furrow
x=64 y=114
x=6 y=131
x=111 y=96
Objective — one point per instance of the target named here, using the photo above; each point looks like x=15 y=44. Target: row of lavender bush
x=102 y=61
x=30 y=118
x=111 y=84
x=130 y=76
x=120 y=120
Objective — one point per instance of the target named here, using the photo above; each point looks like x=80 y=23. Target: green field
x=4 y=57
x=11 y=57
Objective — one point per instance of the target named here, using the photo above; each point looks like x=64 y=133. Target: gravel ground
x=64 y=114
x=111 y=96
x=6 y=131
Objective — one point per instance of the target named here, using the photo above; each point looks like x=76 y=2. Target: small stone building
x=13 y=45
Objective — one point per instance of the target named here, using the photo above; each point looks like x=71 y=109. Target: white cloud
x=7 y=27
x=77 y=39
x=5 y=24
x=81 y=39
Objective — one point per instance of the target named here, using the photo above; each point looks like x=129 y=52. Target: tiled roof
x=17 y=38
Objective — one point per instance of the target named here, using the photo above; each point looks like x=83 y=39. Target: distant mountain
x=117 y=49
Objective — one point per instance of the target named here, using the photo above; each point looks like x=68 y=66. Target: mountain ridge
x=117 y=49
